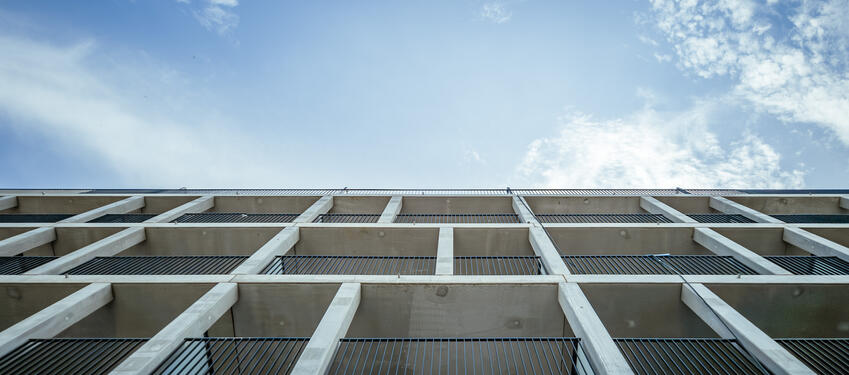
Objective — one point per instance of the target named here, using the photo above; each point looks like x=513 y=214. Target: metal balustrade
x=234 y=355
x=496 y=355
x=17 y=265
x=810 y=265
x=122 y=218
x=347 y=218
x=159 y=265
x=458 y=218
x=351 y=265
x=497 y=265
x=813 y=219
x=687 y=356
x=823 y=355
x=32 y=218
x=602 y=218
x=91 y=356
x=655 y=265
x=721 y=218
x=235 y=217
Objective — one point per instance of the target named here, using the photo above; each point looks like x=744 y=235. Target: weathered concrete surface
x=316 y=356
x=723 y=246
x=8 y=201
x=815 y=244
x=119 y=207
x=108 y=246
x=655 y=206
x=445 y=252
x=278 y=245
x=22 y=242
x=728 y=206
x=391 y=211
x=321 y=206
x=198 y=205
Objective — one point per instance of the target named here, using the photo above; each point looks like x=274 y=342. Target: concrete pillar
x=191 y=323
x=198 y=205
x=445 y=252
x=278 y=245
x=31 y=239
x=108 y=246
x=321 y=206
x=391 y=211
x=547 y=252
x=729 y=323
x=522 y=210
x=844 y=202
x=721 y=245
x=655 y=206
x=815 y=244
x=120 y=207
x=57 y=317
x=7 y=202
x=600 y=348
x=319 y=352
x=728 y=206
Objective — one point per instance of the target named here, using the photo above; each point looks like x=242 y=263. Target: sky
x=427 y=94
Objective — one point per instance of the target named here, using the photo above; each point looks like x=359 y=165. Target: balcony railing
x=19 y=264
x=497 y=265
x=655 y=265
x=68 y=356
x=721 y=218
x=813 y=219
x=347 y=218
x=823 y=355
x=159 y=265
x=811 y=265
x=32 y=218
x=235 y=217
x=687 y=356
x=602 y=218
x=234 y=355
x=122 y=218
x=351 y=265
x=458 y=218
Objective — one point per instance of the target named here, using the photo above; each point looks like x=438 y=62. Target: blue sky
x=460 y=93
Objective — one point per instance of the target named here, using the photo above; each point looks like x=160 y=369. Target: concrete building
x=394 y=281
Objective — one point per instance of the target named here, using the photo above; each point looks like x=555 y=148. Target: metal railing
x=655 y=265
x=122 y=218
x=347 y=218
x=32 y=218
x=496 y=355
x=159 y=265
x=601 y=218
x=611 y=192
x=687 y=356
x=510 y=218
x=823 y=355
x=351 y=265
x=234 y=355
x=17 y=265
x=235 y=217
x=68 y=355
x=721 y=218
x=497 y=265
x=810 y=265
x=813 y=219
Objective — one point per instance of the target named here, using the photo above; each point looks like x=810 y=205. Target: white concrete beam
x=278 y=245
x=108 y=246
x=316 y=356
x=815 y=244
x=730 y=207
x=30 y=239
x=391 y=211
x=723 y=318
x=445 y=252
x=844 y=202
x=7 y=202
x=522 y=210
x=656 y=207
x=120 y=207
x=585 y=323
x=191 y=323
x=57 y=317
x=547 y=252
x=321 y=206
x=198 y=205
x=722 y=245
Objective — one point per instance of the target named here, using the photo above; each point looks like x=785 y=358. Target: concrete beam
x=7 y=202
x=596 y=341
x=730 y=207
x=120 y=207
x=198 y=205
x=191 y=323
x=656 y=207
x=547 y=252
x=391 y=211
x=108 y=246
x=321 y=206
x=445 y=252
x=722 y=245
x=844 y=202
x=316 y=356
x=815 y=244
x=57 y=317
x=18 y=244
x=519 y=206
x=729 y=323
x=278 y=245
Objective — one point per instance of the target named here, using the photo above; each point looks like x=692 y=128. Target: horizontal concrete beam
x=657 y=207
x=721 y=245
x=522 y=210
x=8 y=201
x=547 y=252
x=191 y=323
x=729 y=323
x=391 y=211
x=445 y=252
x=316 y=356
x=108 y=246
x=278 y=245
x=321 y=206
x=198 y=205
x=30 y=239
x=730 y=207
x=815 y=244
x=120 y=207
x=57 y=317
x=585 y=323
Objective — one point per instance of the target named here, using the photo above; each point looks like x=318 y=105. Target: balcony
x=159 y=265
x=457 y=210
x=50 y=209
x=769 y=243
x=351 y=265
x=17 y=265
x=251 y=209
x=573 y=210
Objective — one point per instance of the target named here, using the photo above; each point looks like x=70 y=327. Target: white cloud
x=496 y=12
x=470 y=156
x=216 y=15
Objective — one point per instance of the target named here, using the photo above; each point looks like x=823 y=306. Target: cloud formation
x=217 y=15
x=496 y=12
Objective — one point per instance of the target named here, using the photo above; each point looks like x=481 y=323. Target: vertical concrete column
x=728 y=206
x=844 y=202
x=319 y=352
x=198 y=205
x=120 y=207
x=108 y=246
x=814 y=244
x=191 y=323
x=445 y=252
x=278 y=245
x=656 y=207
x=521 y=209
x=721 y=245
x=729 y=323
x=321 y=206
x=57 y=317
x=18 y=244
x=596 y=341
x=391 y=211
x=547 y=252
x=8 y=201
